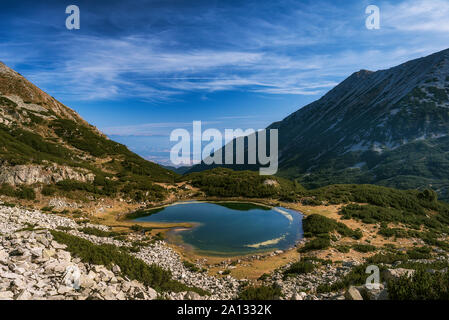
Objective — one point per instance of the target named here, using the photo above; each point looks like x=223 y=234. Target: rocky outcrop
x=30 y=174
x=391 y=274
x=353 y=294
x=41 y=269
x=45 y=270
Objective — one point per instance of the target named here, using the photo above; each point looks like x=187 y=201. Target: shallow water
x=230 y=228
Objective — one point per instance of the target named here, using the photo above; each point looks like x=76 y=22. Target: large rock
x=24 y=295
x=3 y=256
x=391 y=274
x=152 y=294
x=87 y=281
x=383 y=295
x=299 y=296
x=192 y=296
x=353 y=294
x=371 y=292
x=48 y=253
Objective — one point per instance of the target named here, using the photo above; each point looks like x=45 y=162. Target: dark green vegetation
x=75 y=144
x=143 y=213
x=99 y=233
x=419 y=212
x=21 y=192
x=190 y=266
x=364 y=248
x=420 y=253
x=421 y=286
x=21 y=147
x=222 y=182
x=319 y=243
x=135 y=269
x=300 y=267
x=241 y=206
x=357 y=276
x=319 y=229
x=260 y=293
x=316 y=225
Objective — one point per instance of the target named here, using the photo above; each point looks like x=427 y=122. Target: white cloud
x=417 y=15
x=300 y=53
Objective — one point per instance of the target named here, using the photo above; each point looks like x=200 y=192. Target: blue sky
x=139 y=69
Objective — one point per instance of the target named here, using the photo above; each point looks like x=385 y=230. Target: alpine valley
x=364 y=170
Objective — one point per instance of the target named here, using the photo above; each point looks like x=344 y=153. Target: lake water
x=230 y=228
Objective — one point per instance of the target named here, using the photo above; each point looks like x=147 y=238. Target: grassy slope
x=75 y=145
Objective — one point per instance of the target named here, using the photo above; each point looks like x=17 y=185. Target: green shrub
x=49 y=190
x=364 y=248
x=264 y=277
x=316 y=244
x=138 y=228
x=316 y=224
x=7 y=190
x=387 y=258
x=260 y=293
x=159 y=236
x=421 y=286
x=190 y=266
x=357 y=276
x=419 y=253
x=132 y=267
x=343 y=249
x=300 y=267
x=25 y=193
x=223 y=182
x=99 y=232
x=22 y=192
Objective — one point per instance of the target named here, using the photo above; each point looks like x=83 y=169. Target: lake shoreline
x=259 y=248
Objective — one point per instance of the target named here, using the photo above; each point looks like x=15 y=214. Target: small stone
x=192 y=296
x=116 y=269
x=6 y=295
x=48 y=253
x=24 y=295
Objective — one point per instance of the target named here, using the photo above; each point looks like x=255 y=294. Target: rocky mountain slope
x=35 y=266
x=388 y=127
x=44 y=142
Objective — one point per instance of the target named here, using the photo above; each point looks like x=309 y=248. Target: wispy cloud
x=417 y=15
x=283 y=48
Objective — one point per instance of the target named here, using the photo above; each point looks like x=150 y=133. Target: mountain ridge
x=386 y=127
x=43 y=142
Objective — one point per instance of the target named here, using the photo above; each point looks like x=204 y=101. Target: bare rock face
x=390 y=274
x=271 y=183
x=353 y=294
x=29 y=174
